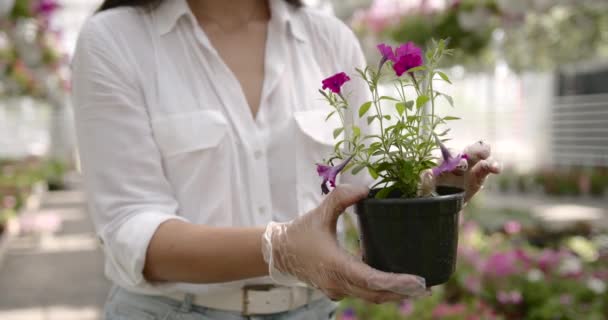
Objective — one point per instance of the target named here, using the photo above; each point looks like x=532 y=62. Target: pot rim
x=458 y=193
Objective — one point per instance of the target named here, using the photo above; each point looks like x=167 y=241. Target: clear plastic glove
x=469 y=175
x=307 y=250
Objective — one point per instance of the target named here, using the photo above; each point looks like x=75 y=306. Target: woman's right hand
x=307 y=248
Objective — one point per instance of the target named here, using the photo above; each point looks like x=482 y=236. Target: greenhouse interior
x=527 y=77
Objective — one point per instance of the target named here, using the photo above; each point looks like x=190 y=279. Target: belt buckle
x=253 y=287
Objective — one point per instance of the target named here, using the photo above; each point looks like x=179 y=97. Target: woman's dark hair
x=109 y=4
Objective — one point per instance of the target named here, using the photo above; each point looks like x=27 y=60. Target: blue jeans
x=124 y=305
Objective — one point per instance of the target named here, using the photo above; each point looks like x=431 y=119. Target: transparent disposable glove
x=470 y=175
x=307 y=250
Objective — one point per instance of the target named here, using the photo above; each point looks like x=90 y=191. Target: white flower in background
x=584 y=248
x=596 y=285
x=571 y=265
x=26 y=33
x=4 y=41
x=534 y=275
x=473 y=20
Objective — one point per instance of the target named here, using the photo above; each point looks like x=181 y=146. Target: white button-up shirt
x=165 y=131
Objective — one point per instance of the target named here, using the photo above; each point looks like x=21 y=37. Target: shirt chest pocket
x=195 y=148
x=183 y=133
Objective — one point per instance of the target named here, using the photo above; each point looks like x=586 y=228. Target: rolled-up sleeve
x=128 y=193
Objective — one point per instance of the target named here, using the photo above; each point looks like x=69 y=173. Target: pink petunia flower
x=512 y=297
x=406 y=308
x=450 y=163
x=448 y=310
x=404 y=57
x=408 y=56
x=47 y=7
x=512 y=227
x=349 y=314
x=335 y=82
x=387 y=52
x=330 y=173
x=549 y=259
x=501 y=264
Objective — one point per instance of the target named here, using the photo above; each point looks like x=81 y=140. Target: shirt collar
x=169 y=12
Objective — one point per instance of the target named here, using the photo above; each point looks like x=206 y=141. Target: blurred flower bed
x=21 y=178
x=503 y=273
x=557 y=182
x=533 y=34
x=32 y=62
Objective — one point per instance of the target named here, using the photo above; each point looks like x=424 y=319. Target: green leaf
x=418 y=68
x=361 y=73
x=337 y=132
x=388 y=98
x=444 y=77
x=329 y=115
x=449 y=118
x=337 y=146
x=364 y=108
x=421 y=100
x=323 y=93
x=358 y=168
x=372 y=172
x=370 y=119
x=448 y=99
x=409 y=105
x=385 y=192
x=387 y=117
x=356 y=131
x=400 y=106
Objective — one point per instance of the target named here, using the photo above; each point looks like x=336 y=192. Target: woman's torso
x=225 y=167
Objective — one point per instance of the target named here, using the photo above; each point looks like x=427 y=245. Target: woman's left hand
x=470 y=177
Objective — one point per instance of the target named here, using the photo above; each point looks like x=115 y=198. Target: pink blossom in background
x=523 y=258
x=383 y=14
x=512 y=227
x=9 y=202
x=501 y=264
x=349 y=314
x=380 y=15
x=406 y=308
x=46 y=7
x=472 y=256
x=473 y=284
x=512 y=297
x=549 y=259
x=448 y=310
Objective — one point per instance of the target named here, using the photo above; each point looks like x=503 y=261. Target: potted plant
x=406 y=227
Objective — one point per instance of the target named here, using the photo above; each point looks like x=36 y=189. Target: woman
x=199 y=125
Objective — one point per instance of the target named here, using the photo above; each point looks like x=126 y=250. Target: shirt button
x=257 y=154
x=262 y=210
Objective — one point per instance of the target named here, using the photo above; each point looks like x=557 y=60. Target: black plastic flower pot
x=414 y=236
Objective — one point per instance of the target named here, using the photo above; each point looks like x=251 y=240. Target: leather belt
x=255 y=299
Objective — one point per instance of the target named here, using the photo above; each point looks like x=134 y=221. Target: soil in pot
x=413 y=236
